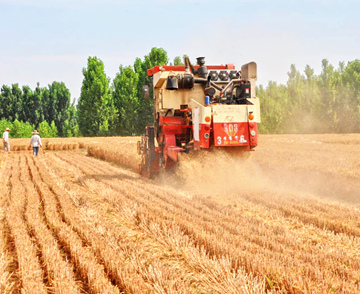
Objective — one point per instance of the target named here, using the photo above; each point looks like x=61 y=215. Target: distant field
x=284 y=220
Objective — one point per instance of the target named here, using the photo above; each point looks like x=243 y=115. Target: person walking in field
x=6 y=143
x=35 y=142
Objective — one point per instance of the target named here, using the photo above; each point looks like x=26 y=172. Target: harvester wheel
x=146 y=149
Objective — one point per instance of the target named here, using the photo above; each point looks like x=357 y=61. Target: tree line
x=117 y=107
x=325 y=103
x=307 y=103
x=43 y=108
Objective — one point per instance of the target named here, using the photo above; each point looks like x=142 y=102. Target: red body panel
x=171 y=150
x=170 y=127
x=204 y=135
x=231 y=134
x=253 y=139
x=172 y=124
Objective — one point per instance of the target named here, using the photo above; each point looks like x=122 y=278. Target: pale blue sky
x=45 y=41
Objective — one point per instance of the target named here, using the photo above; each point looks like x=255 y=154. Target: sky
x=42 y=41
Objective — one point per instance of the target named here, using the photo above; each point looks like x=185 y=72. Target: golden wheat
x=272 y=223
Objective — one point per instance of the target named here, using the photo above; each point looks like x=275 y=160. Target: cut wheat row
x=93 y=235
x=306 y=210
x=331 y=212
x=6 y=285
x=117 y=199
x=188 y=228
x=91 y=271
x=192 y=206
x=126 y=252
x=162 y=234
x=337 y=265
x=30 y=271
x=328 y=236
x=134 y=255
x=61 y=273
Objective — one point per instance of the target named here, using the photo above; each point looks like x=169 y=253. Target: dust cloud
x=222 y=174
x=218 y=172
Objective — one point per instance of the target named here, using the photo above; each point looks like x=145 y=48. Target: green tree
x=329 y=80
x=157 y=56
x=57 y=105
x=273 y=111
x=54 y=130
x=11 y=102
x=295 y=106
x=45 y=130
x=349 y=95
x=178 y=61
x=26 y=110
x=4 y=123
x=37 y=114
x=21 y=129
x=71 y=127
x=17 y=102
x=6 y=99
x=126 y=100
x=96 y=111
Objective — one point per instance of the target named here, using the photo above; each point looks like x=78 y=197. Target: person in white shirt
x=6 y=144
x=35 y=142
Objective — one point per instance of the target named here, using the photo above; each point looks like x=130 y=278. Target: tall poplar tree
x=157 y=56
x=58 y=105
x=6 y=99
x=96 y=111
x=126 y=101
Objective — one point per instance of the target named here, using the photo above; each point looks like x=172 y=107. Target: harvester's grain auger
x=199 y=108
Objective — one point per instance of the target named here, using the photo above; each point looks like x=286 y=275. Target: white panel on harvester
x=196 y=123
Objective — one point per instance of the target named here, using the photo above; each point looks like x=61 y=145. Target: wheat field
x=79 y=219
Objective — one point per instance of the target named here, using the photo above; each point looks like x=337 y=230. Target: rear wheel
x=146 y=148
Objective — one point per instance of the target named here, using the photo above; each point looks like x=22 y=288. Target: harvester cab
x=199 y=107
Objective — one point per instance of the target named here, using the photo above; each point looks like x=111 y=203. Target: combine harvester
x=202 y=107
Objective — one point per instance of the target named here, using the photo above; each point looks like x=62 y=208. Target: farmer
x=35 y=141
x=6 y=144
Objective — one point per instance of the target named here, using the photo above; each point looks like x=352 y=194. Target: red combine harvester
x=196 y=108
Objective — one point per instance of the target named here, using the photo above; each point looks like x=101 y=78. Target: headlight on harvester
x=206 y=135
x=253 y=133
